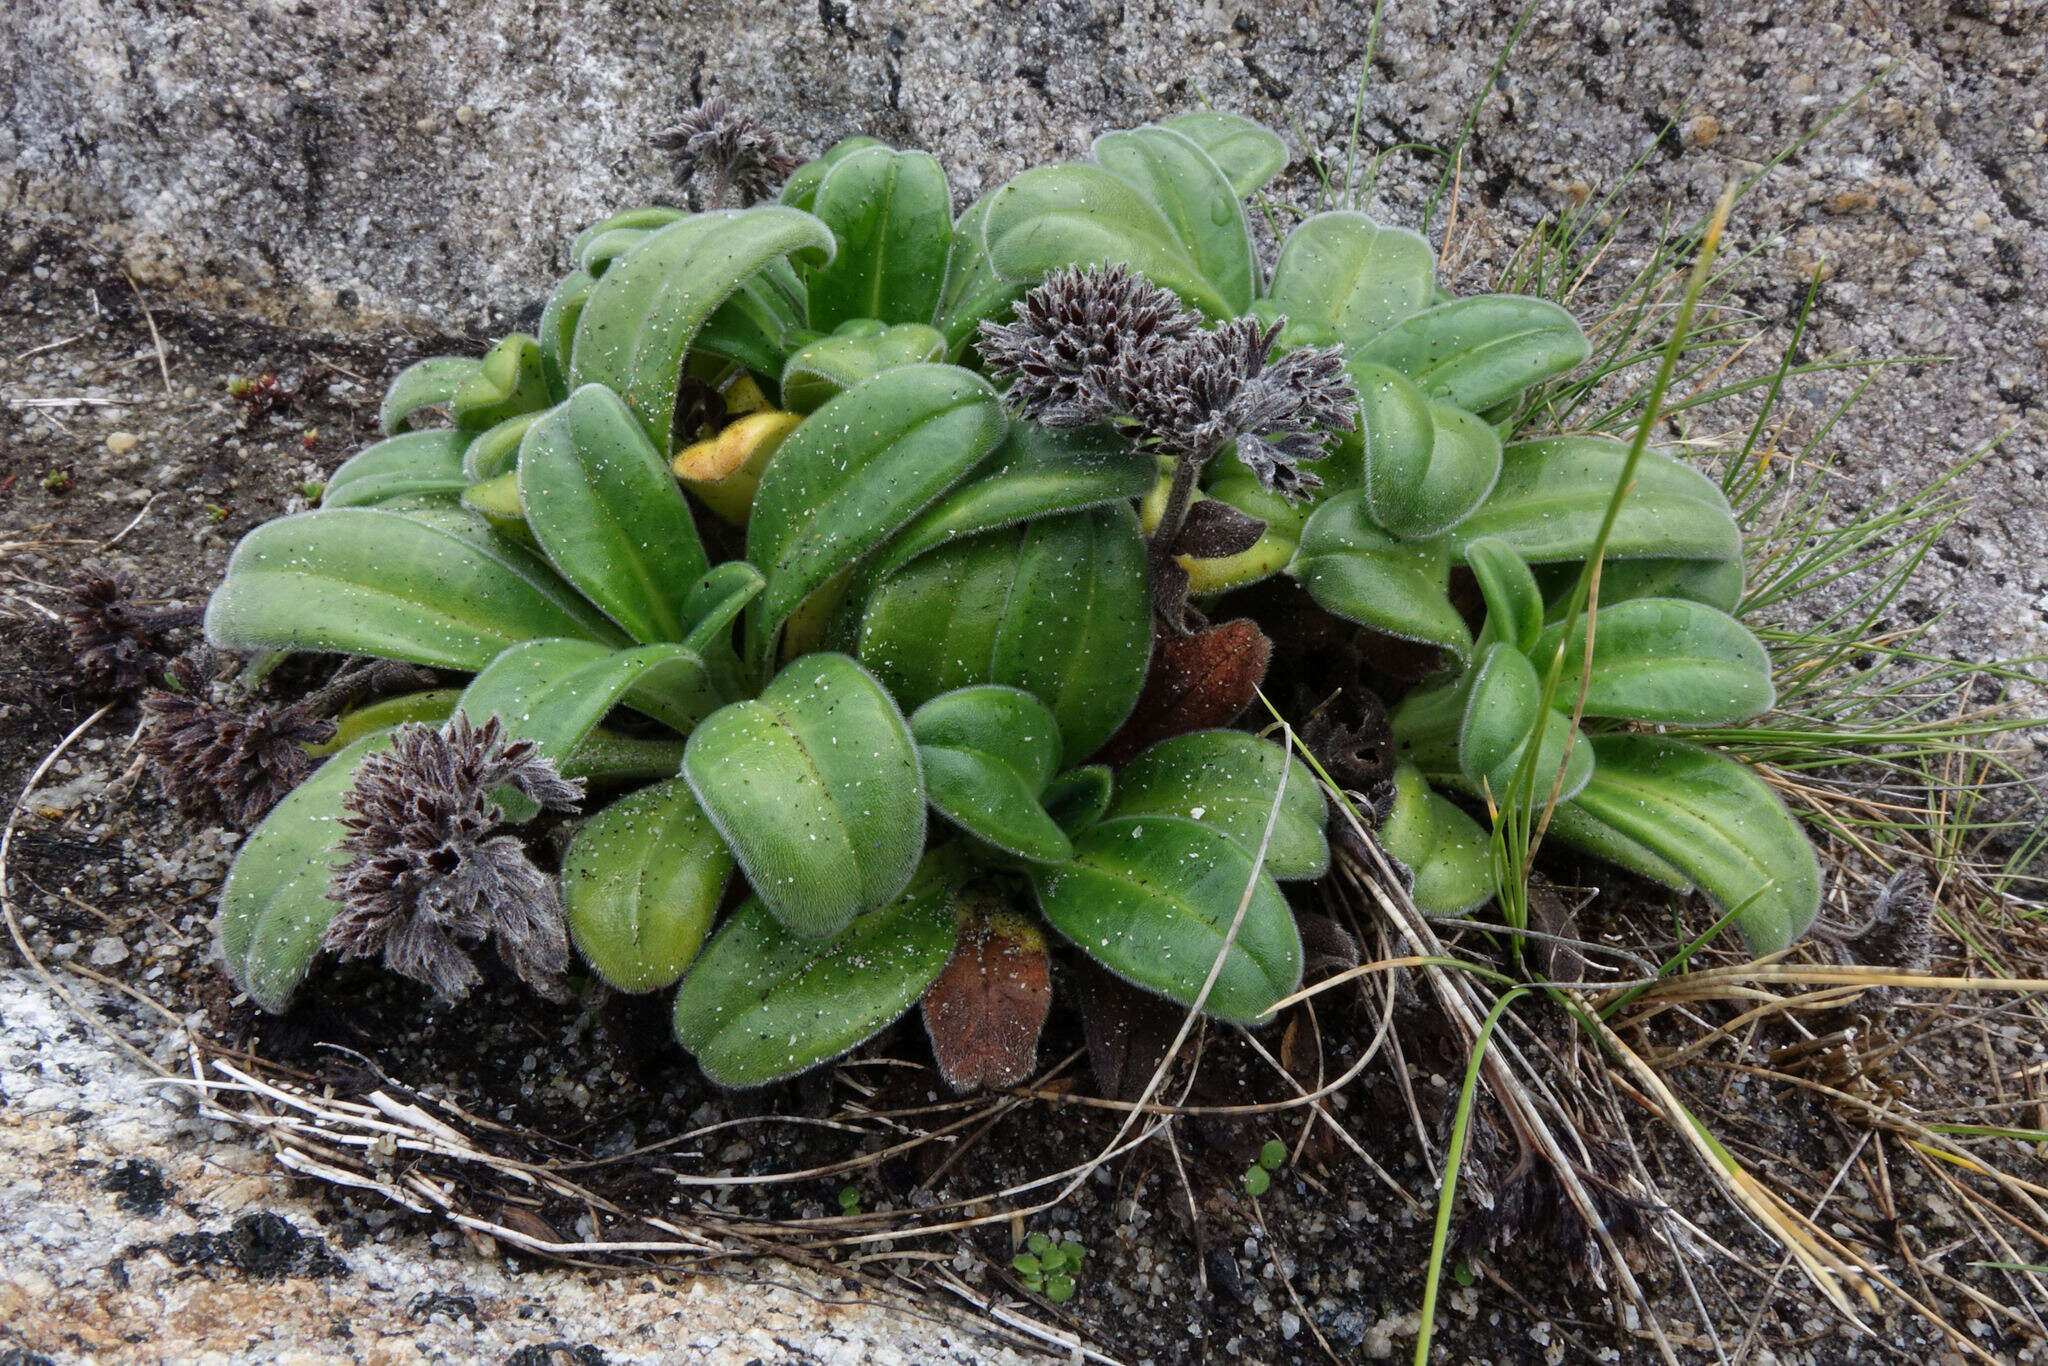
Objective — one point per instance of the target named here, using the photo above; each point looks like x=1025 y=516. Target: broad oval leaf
x=1197 y=200
x=1553 y=496
x=645 y=217
x=1502 y=696
x=763 y=1003
x=893 y=217
x=1668 y=661
x=495 y=453
x=816 y=787
x=449 y=593
x=273 y=907
x=1035 y=472
x=1715 y=583
x=800 y=191
x=1052 y=217
x=403 y=466
x=1079 y=797
x=831 y=365
x=1229 y=780
x=1482 y=350
x=1716 y=822
x=608 y=514
x=1443 y=849
x=641 y=318
x=1427 y=464
x=987 y=752
x=430 y=383
x=855 y=472
x=1249 y=153
x=557 y=330
x=1354 y=275
x=1152 y=899
x=1354 y=569
x=640 y=882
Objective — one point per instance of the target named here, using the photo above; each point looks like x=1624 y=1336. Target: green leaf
x=1482 y=350
x=1079 y=797
x=554 y=692
x=1351 y=567
x=510 y=381
x=753 y=328
x=273 y=906
x=1426 y=464
x=1553 y=495
x=1354 y=275
x=432 y=706
x=430 y=383
x=1052 y=217
x=495 y=453
x=409 y=465
x=608 y=514
x=1669 y=661
x=1249 y=153
x=645 y=217
x=557 y=329
x=831 y=365
x=1227 y=780
x=1716 y=822
x=1191 y=191
x=1035 y=472
x=1442 y=848
x=1152 y=897
x=817 y=788
x=1502 y=697
x=987 y=752
x=763 y=1003
x=1272 y=1154
x=451 y=594
x=800 y=191
x=1514 y=604
x=855 y=472
x=641 y=881
x=1257 y=1181
x=715 y=601
x=1596 y=837
x=972 y=290
x=642 y=317
x=893 y=217
x=1715 y=583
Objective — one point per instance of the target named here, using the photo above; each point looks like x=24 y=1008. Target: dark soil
x=109 y=876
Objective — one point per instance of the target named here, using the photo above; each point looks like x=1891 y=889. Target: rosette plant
x=745 y=543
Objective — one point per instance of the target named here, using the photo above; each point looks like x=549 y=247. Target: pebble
x=120 y=443
x=1702 y=131
x=107 y=950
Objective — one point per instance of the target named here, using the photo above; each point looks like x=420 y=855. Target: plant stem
x=1180 y=496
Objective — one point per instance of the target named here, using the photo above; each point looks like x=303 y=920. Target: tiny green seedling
x=57 y=480
x=849 y=1200
x=1048 y=1268
x=1258 y=1178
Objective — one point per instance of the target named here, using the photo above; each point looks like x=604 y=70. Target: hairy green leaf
x=410 y=465
x=430 y=383
x=640 y=882
x=1152 y=898
x=1481 y=350
x=856 y=471
x=1250 y=154
x=1079 y=797
x=608 y=514
x=1501 y=702
x=973 y=291
x=1354 y=569
x=800 y=191
x=1669 y=661
x=450 y=593
x=829 y=366
x=1228 y=780
x=1716 y=822
x=893 y=217
x=1354 y=275
x=642 y=317
x=1514 y=603
x=763 y=1003
x=1442 y=848
x=1553 y=495
x=988 y=751
x=510 y=381
x=1197 y=200
x=1427 y=464
x=817 y=789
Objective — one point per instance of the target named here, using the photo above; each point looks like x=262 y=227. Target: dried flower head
x=212 y=760
x=1071 y=329
x=425 y=878
x=741 y=155
x=1193 y=399
x=118 y=645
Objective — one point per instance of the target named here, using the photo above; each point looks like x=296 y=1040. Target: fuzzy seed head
x=1070 y=329
x=425 y=878
x=736 y=151
x=214 y=761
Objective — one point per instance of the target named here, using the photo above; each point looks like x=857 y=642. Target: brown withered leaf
x=985 y=1011
x=1128 y=1031
x=1352 y=737
x=1215 y=529
x=1196 y=682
